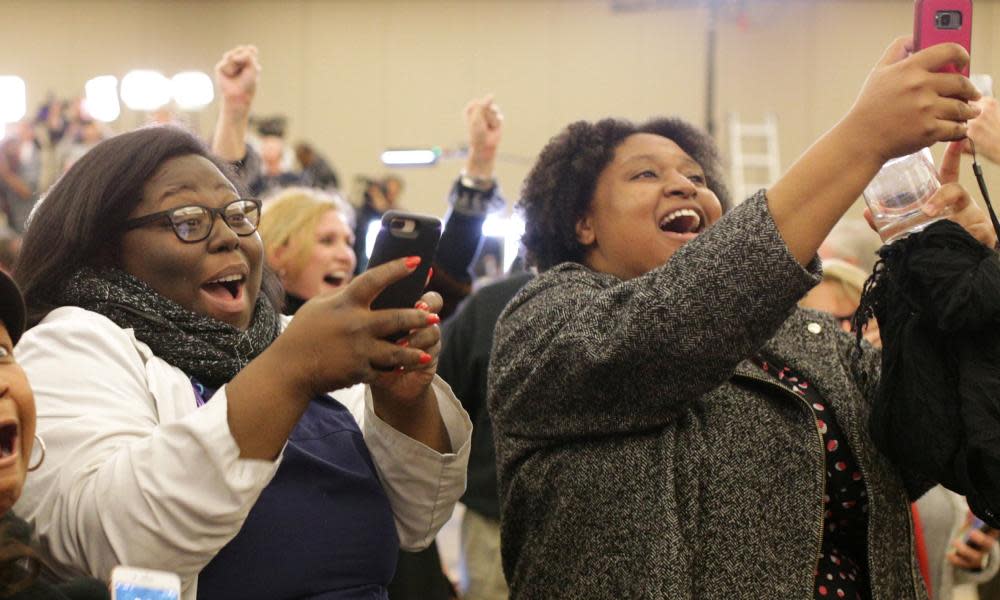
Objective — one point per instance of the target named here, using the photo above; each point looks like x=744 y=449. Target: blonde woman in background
x=308 y=241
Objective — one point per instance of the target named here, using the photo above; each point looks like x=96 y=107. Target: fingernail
x=425 y=358
x=930 y=210
x=403 y=342
x=423 y=306
x=412 y=262
x=433 y=319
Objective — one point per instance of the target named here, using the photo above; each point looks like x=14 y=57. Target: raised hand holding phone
x=942 y=22
x=405 y=234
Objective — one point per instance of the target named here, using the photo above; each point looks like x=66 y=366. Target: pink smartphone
x=941 y=21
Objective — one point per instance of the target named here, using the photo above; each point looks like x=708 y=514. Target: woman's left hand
x=952 y=196
x=406 y=385
x=404 y=398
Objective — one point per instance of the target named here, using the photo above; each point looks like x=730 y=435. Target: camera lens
x=948 y=19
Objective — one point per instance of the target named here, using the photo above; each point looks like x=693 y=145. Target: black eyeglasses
x=193 y=223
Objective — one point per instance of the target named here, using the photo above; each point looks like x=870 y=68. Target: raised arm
x=575 y=349
x=574 y=352
x=236 y=75
x=905 y=105
x=473 y=195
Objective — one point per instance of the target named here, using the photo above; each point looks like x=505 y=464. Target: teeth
x=682 y=212
x=227 y=279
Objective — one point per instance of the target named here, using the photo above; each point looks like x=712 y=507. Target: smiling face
x=330 y=264
x=17 y=424
x=650 y=200
x=218 y=277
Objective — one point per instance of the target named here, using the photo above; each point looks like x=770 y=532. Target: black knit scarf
x=936 y=295
x=203 y=347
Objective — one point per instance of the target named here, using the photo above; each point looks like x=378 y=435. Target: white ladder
x=762 y=162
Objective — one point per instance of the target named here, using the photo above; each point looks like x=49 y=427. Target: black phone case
x=392 y=244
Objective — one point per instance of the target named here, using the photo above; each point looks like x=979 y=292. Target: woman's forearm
x=264 y=405
x=819 y=188
x=229 y=141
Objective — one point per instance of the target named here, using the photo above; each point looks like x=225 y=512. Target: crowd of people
x=664 y=400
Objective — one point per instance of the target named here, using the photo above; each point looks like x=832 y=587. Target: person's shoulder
x=569 y=278
x=564 y=285
x=71 y=328
x=502 y=289
x=67 y=319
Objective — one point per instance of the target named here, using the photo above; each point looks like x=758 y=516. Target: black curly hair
x=560 y=187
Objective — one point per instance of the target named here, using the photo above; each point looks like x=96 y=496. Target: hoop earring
x=41 y=444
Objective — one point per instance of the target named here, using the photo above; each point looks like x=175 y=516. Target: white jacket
x=137 y=474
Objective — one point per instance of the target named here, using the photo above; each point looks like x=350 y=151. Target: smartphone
x=131 y=583
x=405 y=234
x=942 y=21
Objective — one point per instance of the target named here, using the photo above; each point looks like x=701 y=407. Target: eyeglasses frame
x=144 y=220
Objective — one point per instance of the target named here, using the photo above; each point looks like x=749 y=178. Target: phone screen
x=130 y=591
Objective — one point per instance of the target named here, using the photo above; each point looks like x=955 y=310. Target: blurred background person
x=467 y=339
x=275 y=174
x=378 y=197
x=316 y=170
x=308 y=241
x=10 y=247
x=20 y=166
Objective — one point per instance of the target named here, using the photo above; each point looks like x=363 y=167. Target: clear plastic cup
x=898 y=192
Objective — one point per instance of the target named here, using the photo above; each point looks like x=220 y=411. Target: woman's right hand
x=237 y=73
x=337 y=341
x=906 y=104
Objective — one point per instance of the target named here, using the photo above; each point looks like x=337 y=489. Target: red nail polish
x=433 y=319
x=423 y=306
x=425 y=358
x=412 y=262
x=403 y=342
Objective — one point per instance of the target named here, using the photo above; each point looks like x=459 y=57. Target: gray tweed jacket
x=641 y=456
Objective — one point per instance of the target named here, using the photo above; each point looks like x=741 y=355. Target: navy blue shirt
x=322 y=529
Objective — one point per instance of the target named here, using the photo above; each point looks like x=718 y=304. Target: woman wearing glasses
x=184 y=432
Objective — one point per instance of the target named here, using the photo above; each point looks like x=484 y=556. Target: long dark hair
x=79 y=222
x=20 y=565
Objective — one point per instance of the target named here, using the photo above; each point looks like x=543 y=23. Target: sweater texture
x=641 y=455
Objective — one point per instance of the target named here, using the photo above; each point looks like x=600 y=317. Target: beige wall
x=358 y=76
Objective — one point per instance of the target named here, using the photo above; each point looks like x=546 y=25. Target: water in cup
x=898 y=192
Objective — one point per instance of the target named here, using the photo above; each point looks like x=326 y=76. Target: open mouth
x=336 y=278
x=8 y=440
x=682 y=221
x=231 y=285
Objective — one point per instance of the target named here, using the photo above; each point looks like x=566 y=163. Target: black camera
x=948 y=19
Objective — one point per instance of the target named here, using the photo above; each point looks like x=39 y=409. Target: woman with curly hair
x=667 y=423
